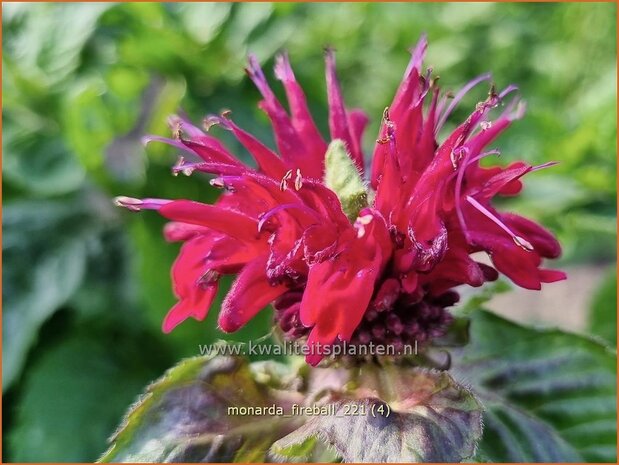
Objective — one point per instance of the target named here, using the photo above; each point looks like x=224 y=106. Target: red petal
x=249 y=294
x=288 y=141
x=196 y=306
x=338 y=119
x=551 y=276
x=543 y=241
x=195 y=298
x=301 y=118
x=267 y=160
x=357 y=122
x=218 y=219
x=176 y=231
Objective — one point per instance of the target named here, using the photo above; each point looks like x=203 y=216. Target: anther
x=178 y=131
x=210 y=277
x=283 y=185
x=217 y=182
x=129 y=203
x=298 y=180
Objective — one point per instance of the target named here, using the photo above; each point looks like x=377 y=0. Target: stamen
x=520 y=241
x=135 y=205
x=483 y=155
x=485 y=125
x=458 y=193
x=360 y=223
x=183 y=167
x=210 y=277
x=458 y=97
x=457 y=154
x=473 y=160
x=544 y=165
x=298 y=180
x=283 y=185
x=387 y=124
x=178 y=130
x=508 y=90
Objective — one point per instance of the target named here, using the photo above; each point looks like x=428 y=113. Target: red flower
x=341 y=262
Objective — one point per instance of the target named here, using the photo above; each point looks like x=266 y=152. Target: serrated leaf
x=184 y=417
x=343 y=178
x=549 y=396
x=421 y=416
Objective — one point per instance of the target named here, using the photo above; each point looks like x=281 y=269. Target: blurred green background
x=86 y=285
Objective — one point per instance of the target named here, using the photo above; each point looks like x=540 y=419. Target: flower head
x=342 y=258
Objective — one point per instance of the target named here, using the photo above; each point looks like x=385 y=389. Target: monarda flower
x=340 y=257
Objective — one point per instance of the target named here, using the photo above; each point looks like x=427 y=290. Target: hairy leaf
x=421 y=416
x=184 y=417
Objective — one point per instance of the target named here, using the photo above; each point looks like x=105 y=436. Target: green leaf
x=603 y=316
x=46 y=244
x=203 y=20
x=415 y=416
x=342 y=177
x=42 y=165
x=184 y=416
x=73 y=395
x=549 y=396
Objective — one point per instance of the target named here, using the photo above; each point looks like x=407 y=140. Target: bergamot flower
x=343 y=257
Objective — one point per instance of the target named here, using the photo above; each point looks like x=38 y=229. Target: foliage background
x=85 y=286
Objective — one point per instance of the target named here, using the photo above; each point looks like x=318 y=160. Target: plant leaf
x=427 y=418
x=184 y=417
x=603 y=316
x=47 y=245
x=549 y=396
x=79 y=374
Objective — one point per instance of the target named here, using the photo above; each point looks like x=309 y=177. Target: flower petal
x=228 y=222
x=250 y=293
x=195 y=294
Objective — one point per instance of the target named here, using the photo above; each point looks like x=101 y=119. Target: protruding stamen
x=520 y=241
x=458 y=97
x=183 y=167
x=485 y=125
x=283 y=185
x=298 y=180
x=388 y=125
x=458 y=154
x=177 y=133
x=544 y=165
x=135 y=205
